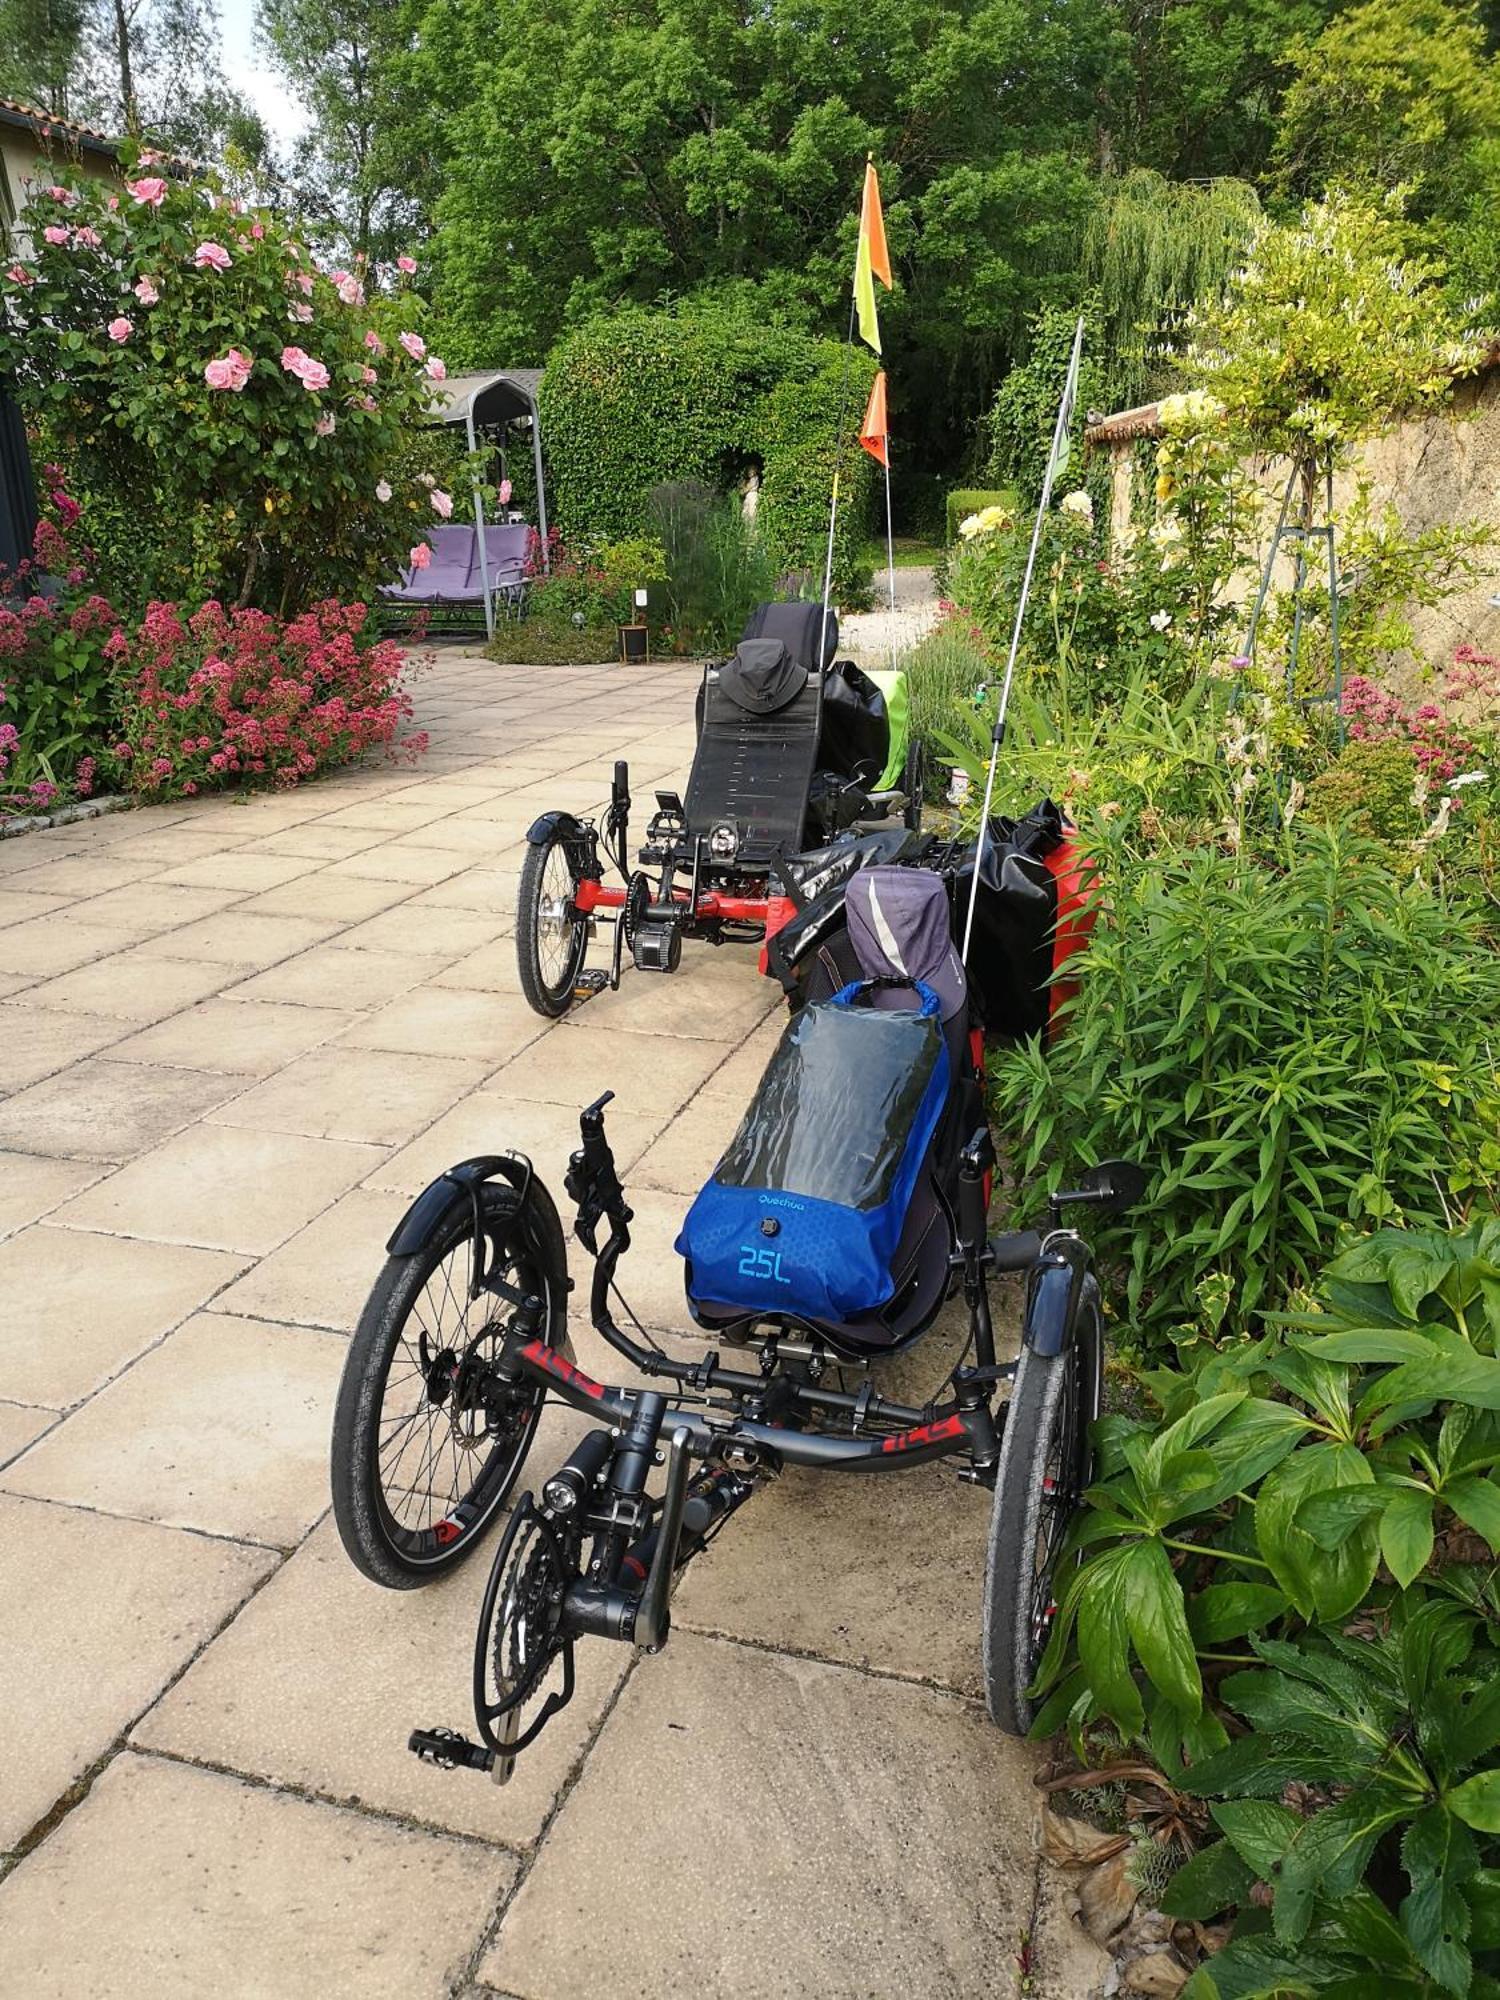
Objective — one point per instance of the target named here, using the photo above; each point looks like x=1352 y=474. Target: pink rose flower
x=374 y=343
x=437 y=369
x=326 y=425
x=257 y=230
x=351 y=291
x=383 y=490
x=414 y=344
x=302 y=312
x=232 y=372
x=55 y=234
x=146 y=292
x=406 y=264
x=151 y=191
x=442 y=503
x=212 y=257
x=65 y=195
x=19 y=275
x=113 y=204
x=368 y=403
x=421 y=556
x=120 y=330
x=310 y=373
x=89 y=238
x=305 y=283
x=504 y=492
x=368 y=375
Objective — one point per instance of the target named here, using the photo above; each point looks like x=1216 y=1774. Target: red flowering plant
x=221 y=696
x=237 y=420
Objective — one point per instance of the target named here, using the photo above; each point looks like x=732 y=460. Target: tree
x=358 y=164
x=40 y=45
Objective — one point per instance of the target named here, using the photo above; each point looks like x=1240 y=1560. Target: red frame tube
x=592 y=895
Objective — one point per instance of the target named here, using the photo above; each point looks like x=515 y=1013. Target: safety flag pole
x=871 y=261
x=874 y=437
x=1057 y=460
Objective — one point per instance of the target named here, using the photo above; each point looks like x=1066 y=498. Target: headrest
x=762 y=676
x=809 y=634
x=898 y=926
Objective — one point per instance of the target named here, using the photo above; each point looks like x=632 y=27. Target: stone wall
x=1444 y=468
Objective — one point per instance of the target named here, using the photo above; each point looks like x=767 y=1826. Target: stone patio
x=235 y=1037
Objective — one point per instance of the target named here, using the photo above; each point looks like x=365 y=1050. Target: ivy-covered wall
x=638 y=398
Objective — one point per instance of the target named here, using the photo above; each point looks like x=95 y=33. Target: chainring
x=637 y=897
x=524 y=1604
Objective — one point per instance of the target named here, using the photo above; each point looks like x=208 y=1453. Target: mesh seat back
x=755 y=770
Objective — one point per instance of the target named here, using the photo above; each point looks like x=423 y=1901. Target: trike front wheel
x=552 y=936
x=1045 y=1464
x=427 y=1443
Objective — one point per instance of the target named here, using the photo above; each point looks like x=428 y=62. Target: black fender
x=554 y=826
x=1053 y=1293
x=433 y=1203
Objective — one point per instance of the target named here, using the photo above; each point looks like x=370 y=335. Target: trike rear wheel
x=426 y=1443
x=1045 y=1464
x=552 y=937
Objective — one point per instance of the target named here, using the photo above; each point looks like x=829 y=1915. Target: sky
x=284 y=116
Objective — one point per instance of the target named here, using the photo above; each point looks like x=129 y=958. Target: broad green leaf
x=1215 y=1879
x=1477 y=1801
x=1158 y=1625
x=1415 y=1271
x=1228 y=1610
x=1331 y=1517
x=1324 y=1585
x=1331 y=1853
x=1476 y=1502
x=1406 y=1533
x=1104 y=1641
x=1438 y=1854
x=1369 y=1345
x=1483 y=1893
x=1259 y=1831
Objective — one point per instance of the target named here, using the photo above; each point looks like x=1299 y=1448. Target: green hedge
x=966 y=500
x=639 y=398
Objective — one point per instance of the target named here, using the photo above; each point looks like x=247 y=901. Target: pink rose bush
x=235 y=484
x=406 y=265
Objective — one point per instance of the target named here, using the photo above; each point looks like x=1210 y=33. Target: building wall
x=1445 y=468
x=23 y=159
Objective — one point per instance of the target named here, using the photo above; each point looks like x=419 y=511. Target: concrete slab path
x=235 y=1036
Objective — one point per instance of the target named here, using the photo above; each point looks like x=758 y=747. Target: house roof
x=65 y=131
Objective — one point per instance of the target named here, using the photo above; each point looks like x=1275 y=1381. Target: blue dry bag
x=805 y=1210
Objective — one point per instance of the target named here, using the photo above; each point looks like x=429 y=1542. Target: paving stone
x=851 y=1836
x=330 y=976
x=20 y=1425
x=343 y=901
x=134 y=986
x=16 y=908
x=322 y=1275
x=738 y=1079
x=48 y=945
x=441 y=1020
x=100 y=1614
x=682 y=1159
x=721 y=1002
x=31 y=1184
x=236 y=937
x=147 y=908
x=465 y=840
x=224 y=1427
x=233 y=1036
x=491 y=969
x=35 y=1043
x=363 y=1094
x=491 y=889
x=249 y=873
x=398 y=861
x=490 y=1122
x=318 y=841
x=224 y=1187
x=879 y=1570
x=446 y=933
x=384 y=1662
x=179 y=1883
x=76 y=1307
x=98 y=1110
x=85 y=874
x=649 y=1077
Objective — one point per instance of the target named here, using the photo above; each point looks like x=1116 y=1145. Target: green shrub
x=639 y=399
x=553 y=642
x=944 y=673
x=717 y=569
x=966 y=500
x=1371 y=786
x=1318 y=1509
x=1291 y=1051
x=219 y=446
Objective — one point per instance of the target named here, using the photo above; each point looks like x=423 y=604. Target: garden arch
x=493 y=400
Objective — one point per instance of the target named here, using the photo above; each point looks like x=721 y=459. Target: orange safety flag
x=872 y=260
x=873 y=433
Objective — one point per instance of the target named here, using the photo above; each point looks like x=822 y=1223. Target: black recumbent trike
x=850 y=1205
x=796 y=752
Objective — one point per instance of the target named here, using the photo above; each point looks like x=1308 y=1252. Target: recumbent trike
x=795 y=751
x=851 y=1203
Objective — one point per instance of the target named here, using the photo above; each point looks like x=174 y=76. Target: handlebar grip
x=1017 y=1250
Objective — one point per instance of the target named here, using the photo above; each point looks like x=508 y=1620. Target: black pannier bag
x=1030 y=917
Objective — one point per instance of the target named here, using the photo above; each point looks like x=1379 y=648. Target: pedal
x=449 y=1750
x=589 y=983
